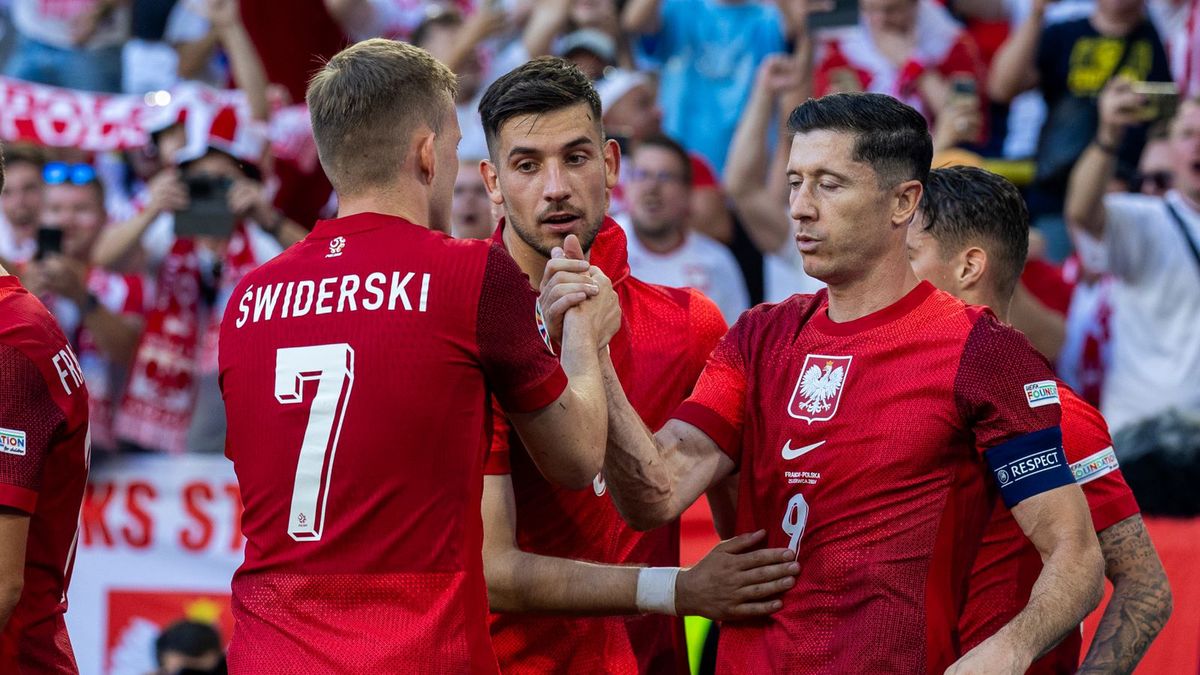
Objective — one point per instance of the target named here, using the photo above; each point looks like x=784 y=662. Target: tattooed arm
x=1140 y=603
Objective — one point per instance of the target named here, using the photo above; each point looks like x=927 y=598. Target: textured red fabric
x=42 y=395
x=1008 y=565
x=395 y=576
x=890 y=470
x=665 y=336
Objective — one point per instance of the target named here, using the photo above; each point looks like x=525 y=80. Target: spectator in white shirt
x=661 y=249
x=1152 y=247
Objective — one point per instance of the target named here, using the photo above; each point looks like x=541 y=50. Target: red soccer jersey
x=356 y=369
x=859 y=446
x=1008 y=564
x=43 y=470
x=666 y=335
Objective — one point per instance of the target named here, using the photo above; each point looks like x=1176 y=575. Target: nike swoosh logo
x=792 y=453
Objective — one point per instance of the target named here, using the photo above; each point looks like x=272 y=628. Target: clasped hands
x=578 y=296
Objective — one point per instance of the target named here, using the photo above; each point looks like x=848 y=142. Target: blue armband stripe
x=1029 y=465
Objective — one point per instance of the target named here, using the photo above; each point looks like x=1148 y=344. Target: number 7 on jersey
x=332 y=366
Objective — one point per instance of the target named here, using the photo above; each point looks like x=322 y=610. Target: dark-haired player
x=44 y=453
x=872 y=424
x=562 y=567
x=970 y=239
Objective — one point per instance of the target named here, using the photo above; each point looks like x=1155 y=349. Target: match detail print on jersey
x=332 y=366
x=819 y=387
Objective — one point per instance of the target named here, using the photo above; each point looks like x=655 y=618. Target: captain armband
x=1029 y=465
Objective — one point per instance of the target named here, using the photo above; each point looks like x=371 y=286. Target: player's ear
x=491 y=181
x=972 y=265
x=907 y=199
x=612 y=163
x=426 y=157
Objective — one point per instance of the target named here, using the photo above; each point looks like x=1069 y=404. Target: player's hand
x=734 y=581
x=601 y=312
x=993 y=656
x=1119 y=107
x=167 y=192
x=565 y=283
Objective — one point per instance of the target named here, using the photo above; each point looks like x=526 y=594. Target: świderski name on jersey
x=349 y=293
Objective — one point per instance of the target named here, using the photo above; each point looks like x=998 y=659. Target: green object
x=695 y=628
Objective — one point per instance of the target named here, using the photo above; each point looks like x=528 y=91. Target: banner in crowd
x=159 y=540
x=94 y=122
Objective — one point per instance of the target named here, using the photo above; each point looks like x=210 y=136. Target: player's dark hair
x=890 y=136
x=542 y=85
x=190 y=638
x=966 y=206
x=671 y=145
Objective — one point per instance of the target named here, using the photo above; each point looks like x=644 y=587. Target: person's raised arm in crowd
x=751 y=176
x=640 y=16
x=244 y=60
x=547 y=21
x=1014 y=68
x=1119 y=108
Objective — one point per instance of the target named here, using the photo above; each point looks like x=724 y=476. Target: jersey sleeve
x=498 y=460
x=28 y=420
x=1089 y=449
x=706 y=327
x=717 y=405
x=515 y=350
x=1008 y=396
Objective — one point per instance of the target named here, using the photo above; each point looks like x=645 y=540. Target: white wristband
x=656 y=590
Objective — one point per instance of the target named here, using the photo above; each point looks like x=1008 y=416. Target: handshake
x=578 y=298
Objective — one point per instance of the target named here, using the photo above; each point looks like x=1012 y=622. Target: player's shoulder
x=771 y=321
x=1084 y=427
x=25 y=323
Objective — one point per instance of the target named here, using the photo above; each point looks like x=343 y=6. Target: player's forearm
x=584 y=441
x=637 y=476
x=1069 y=586
x=1086 y=188
x=524 y=582
x=1140 y=604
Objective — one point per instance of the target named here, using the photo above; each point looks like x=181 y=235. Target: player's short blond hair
x=366 y=104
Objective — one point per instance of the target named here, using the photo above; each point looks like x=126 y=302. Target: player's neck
x=1000 y=307
x=390 y=203
x=3 y=272
x=881 y=287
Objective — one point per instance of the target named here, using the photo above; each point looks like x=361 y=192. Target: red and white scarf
x=178 y=343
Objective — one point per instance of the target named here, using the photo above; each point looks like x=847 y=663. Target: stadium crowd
x=1091 y=108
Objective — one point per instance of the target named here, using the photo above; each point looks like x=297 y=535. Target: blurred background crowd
x=136 y=246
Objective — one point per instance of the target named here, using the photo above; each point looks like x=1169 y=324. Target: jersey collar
x=359 y=222
x=892 y=312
